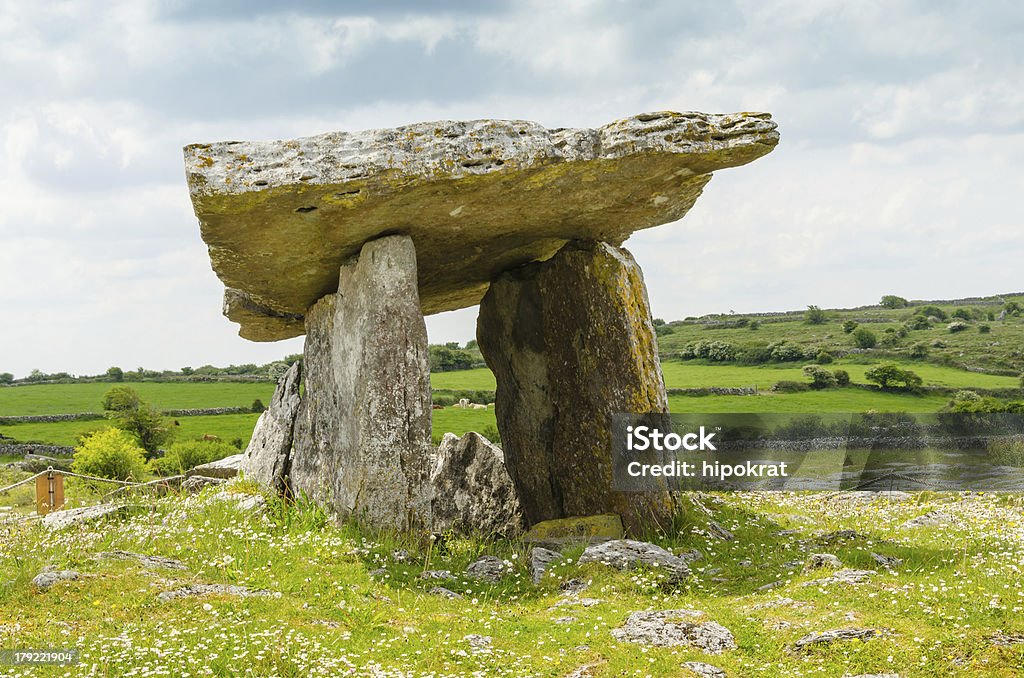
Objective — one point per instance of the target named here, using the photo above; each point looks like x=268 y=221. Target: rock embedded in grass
x=819 y=561
x=192 y=590
x=541 y=559
x=828 y=637
x=627 y=554
x=194 y=484
x=844 y=576
x=670 y=628
x=704 y=670
x=61 y=519
x=487 y=568
x=445 y=593
x=148 y=562
x=44 y=580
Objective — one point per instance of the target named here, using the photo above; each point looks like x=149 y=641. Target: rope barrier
x=70 y=474
x=22 y=482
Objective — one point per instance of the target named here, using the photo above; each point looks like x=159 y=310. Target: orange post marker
x=49 y=492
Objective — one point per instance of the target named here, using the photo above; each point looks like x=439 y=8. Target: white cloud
x=899 y=167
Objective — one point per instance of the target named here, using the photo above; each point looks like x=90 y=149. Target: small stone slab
x=266 y=458
x=222 y=468
x=627 y=554
x=149 y=562
x=540 y=560
x=670 y=628
x=445 y=593
x=844 y=576
x=930 y=519
x=212 y=589
x=704 y=670
x=279 y=217
x=828 y=637
x=487 y=568
x=193 y=484
x=44 y=580
x=577 y=530
x=61 y=519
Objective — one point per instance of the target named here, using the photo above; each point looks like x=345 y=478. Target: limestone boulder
x=673 y=628
x=222 y=468
x=471 y=489
x=267 y=457
x=361 y=444
x=571 y=343
x=280 y=217
x=627 y=554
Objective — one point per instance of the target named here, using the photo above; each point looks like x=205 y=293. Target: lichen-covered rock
x=626 y=554
x=829 y=637
x=193 y=484
x=280 y=217
x=148 y=562
x=704 y=670
x=361 y=444
x=193 y=590
x=269 y=452
x=571 y=343
x=670 y=628
x=487 y=568
x=471 y=489
x=576 y=530
x=844 y=576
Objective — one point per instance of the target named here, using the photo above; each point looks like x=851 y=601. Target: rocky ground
x=229 y=582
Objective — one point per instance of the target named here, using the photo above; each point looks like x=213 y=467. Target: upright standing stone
x=268 y=455
x=362 y=437
x=571 y=342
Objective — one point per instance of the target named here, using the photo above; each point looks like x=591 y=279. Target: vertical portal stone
x=571 y=342
x=362 y=437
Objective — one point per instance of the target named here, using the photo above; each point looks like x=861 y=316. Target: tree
x=849 y=326
x=6 y=378
x=140 y=419
x=814 y=315
x=115 y=373
x=864 y=338
x=187 y=371
x=893 y=376
x=819 y=376
x=892 y=301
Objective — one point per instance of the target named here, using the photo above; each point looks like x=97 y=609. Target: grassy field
x=340 y=604
x=227 y=427
x=74 y=398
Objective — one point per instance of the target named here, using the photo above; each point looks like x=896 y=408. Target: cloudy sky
x=899 y=170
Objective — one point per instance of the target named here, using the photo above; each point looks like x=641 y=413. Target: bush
x=918 y=322
x=864 y=338
x=663 y=330
x=132 y=414
x=842 y=377
x=849 y=326
x=258 y=406
x=715 y=351
x=824 y=358
x=783 y=352
x=819 y=376
x=893 y=376
x=919 y=350
x=932 y=312
x=984 y=329
x=753 y=355
x=892 y=301
x=110 y=453
x=191 y=453
x=963 y=314
x=754 y=324
x=815 y=315
x=966 y=396
x=957 y=326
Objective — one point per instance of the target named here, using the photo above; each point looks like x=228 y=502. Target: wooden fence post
x=49 y=492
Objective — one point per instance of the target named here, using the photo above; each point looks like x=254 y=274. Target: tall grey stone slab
x=268 y=455
x=362 y=435
x=571 y=342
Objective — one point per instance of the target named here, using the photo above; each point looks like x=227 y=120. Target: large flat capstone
x=477 y=198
